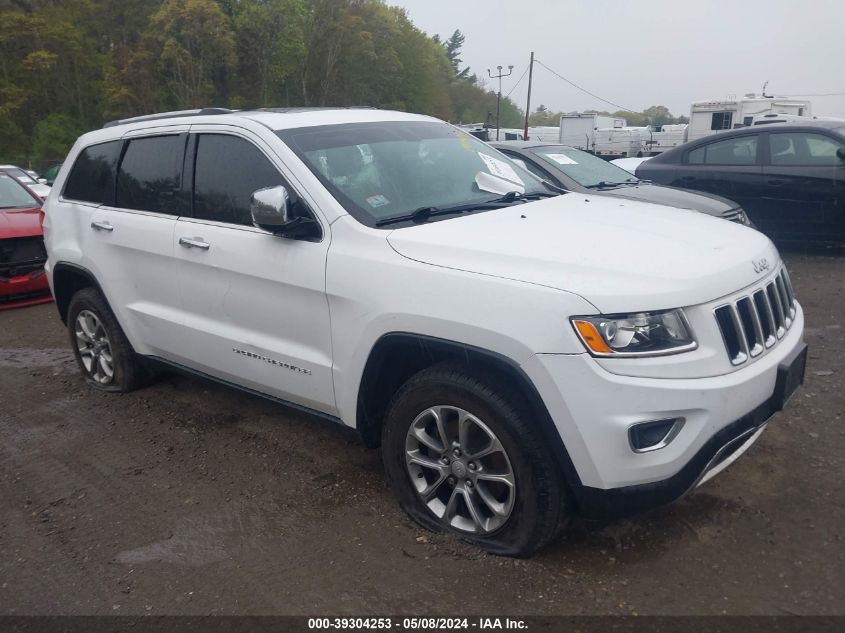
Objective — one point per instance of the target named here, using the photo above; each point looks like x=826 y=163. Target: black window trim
x=189 y=179
x=708 y=141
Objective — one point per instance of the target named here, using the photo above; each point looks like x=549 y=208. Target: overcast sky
x=648 y=52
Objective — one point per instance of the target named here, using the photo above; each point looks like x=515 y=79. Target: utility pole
x=499 y=94
x=528 y=101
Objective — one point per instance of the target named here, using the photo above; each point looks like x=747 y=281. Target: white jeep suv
x=519 y=355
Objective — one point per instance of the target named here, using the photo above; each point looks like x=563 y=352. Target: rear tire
x=103 y=353
x=436 y=448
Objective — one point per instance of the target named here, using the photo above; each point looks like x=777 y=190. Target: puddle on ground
x=59 y=359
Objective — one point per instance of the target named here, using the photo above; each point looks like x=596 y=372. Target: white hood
x=620 y=255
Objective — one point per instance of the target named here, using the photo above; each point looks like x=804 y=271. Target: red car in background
x=22 y=254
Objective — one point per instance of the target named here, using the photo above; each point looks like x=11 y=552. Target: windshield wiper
x=418 y=216
x=605 y=184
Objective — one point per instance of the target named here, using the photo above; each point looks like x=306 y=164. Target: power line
x=521 y=77
x=823 y=94
x=572 y=83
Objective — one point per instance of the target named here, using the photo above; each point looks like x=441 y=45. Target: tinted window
x=721 y=120
x=150 y=174
x=801 y=148
x=228 y=170
x=732 y=151
x=92 y=177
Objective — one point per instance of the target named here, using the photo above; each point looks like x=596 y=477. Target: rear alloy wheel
x=94 y=348
x=104 y=354
x=463 y=454
x=460 y=469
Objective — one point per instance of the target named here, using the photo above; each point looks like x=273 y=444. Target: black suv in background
x=789 y=178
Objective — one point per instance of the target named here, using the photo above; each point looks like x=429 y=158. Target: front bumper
x=24 y=290
x=593 y=408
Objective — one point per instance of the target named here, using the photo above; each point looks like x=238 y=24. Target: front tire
x=103 y=353
x=462 y=456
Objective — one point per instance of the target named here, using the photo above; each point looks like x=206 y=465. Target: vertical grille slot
x=752 y=323
x=732 y=334
x=777 y=309
x=784 y=301
x=751 y=326
x=767 y=319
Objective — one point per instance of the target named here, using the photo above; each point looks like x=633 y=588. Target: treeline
x=67 y=66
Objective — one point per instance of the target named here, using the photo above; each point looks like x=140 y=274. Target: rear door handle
x=102 y=226
x=194 y=242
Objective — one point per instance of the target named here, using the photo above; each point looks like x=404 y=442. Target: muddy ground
x=189 y=498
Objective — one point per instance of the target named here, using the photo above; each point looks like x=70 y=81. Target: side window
x=696 y=156
x=150 y=174
x=91 y=178
x=733 y=151
x=721 y=120
x=228 y=170
x=803 y=148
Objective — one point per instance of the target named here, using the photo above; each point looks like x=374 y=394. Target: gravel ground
x=189 y=498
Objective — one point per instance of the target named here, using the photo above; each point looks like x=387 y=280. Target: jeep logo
x=760 y=265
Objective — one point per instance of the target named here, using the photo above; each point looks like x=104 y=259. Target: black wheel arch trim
x=434 y=345
x=76 y=269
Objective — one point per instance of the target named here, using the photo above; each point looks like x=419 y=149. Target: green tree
x=196 y=50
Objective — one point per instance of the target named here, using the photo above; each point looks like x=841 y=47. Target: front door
x=804 y=193
x=255 y=307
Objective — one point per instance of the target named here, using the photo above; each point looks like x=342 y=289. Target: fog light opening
x=654 y=434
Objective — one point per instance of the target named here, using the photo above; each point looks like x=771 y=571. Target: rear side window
x=803 y=149
x=150 y=174
x=91 y=178
x=732 y=151
x=228 y=170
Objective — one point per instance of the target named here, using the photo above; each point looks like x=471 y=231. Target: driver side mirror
x=840 y=153
x=273 y=210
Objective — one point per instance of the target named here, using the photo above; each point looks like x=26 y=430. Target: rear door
x=255 y=307
x=728 y=167
x=128 y=241
x=804 y=196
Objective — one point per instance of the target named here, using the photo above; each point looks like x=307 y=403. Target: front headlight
x=640 y=334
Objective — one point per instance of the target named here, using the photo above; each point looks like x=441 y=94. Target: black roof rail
x=170 y=115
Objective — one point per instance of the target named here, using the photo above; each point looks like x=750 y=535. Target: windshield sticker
x=500 y=168
x=561 y=159
x=378 y=201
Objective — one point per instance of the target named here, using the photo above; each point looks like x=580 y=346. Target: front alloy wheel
x=460 y=469
x=94 y=347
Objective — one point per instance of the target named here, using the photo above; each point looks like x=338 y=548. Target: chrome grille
x=753 y=323
x=734 y=215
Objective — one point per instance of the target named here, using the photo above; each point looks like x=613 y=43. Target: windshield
x=21 y=175
x=13 y=195
x=585 y=169
x=389 y=169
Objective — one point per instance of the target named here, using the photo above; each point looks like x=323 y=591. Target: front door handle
x=102 y=226
x=194 y=242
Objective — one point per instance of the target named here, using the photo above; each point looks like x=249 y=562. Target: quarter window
x=228 y=170
x=802 y=148
x=91 y=178
x=733 y=151
x=150 y=174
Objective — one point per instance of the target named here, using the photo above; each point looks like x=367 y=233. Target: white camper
x=621 y=142
x=707 y=117
x=579 y=130
x=663 y=137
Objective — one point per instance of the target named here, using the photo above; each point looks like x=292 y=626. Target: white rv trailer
x=579 y=130
x=665 y=137
x=621 y=142
x=707 y=117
